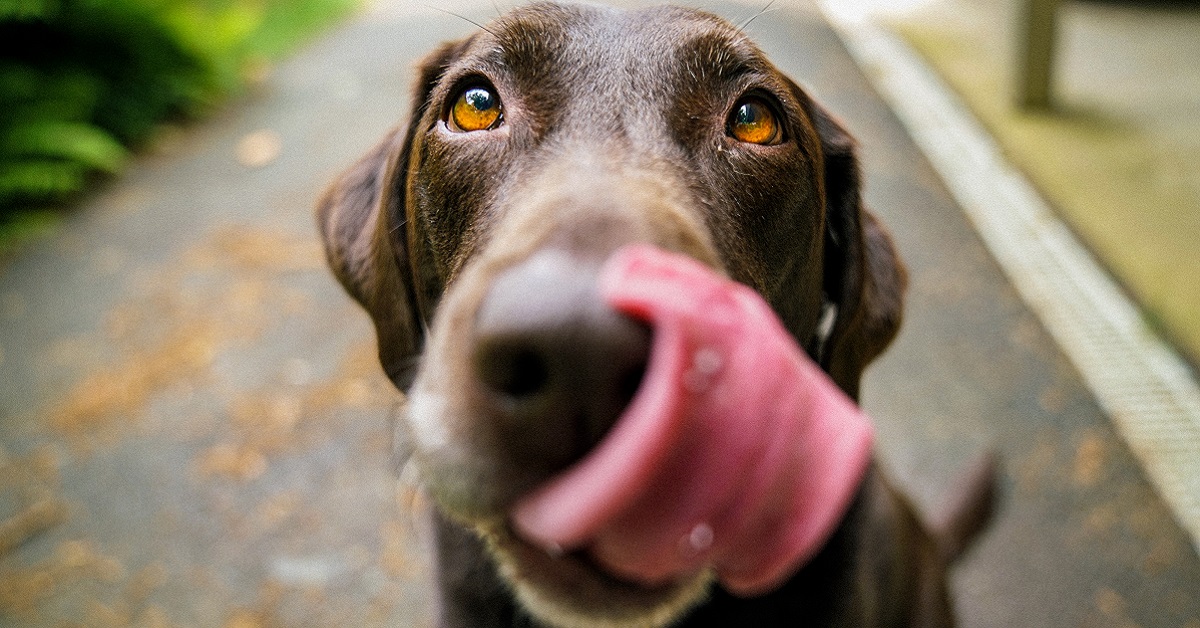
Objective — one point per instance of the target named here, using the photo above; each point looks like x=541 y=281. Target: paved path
x=191 y=406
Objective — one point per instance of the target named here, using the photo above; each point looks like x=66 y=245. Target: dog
x=473 y=236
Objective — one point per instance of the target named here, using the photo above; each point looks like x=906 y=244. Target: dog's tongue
x=737 y=453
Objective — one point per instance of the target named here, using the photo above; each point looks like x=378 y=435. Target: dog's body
x=473 y=237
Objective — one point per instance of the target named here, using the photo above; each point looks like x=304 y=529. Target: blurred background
x=194 y=430
x=1106 y=126
x=84 y=83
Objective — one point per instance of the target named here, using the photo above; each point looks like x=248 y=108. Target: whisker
x=742 y=27
x=461 y=17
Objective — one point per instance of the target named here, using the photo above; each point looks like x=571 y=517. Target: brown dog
x=473 y=237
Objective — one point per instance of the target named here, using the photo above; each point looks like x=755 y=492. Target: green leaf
x=72 y=141
x=29 y=10
x=39 y=180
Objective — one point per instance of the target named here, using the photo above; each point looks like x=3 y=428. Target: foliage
x=82 y=82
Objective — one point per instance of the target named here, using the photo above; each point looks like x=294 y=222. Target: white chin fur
x=591 y=600
x=563 y=615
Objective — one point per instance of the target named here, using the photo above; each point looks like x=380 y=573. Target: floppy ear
x=864 y=277
x=363 y=221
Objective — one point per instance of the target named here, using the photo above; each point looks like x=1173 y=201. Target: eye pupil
x=479 y=98
x=750 y=114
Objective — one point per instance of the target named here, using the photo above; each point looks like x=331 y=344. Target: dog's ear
x=864 y=277
x=363 y=221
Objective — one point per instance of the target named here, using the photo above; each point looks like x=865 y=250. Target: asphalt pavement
x=194 y=430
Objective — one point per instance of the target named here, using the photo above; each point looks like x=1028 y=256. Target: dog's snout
x=556 y=366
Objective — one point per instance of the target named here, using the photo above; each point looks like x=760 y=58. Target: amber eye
x=753 y=122
x=476 y=109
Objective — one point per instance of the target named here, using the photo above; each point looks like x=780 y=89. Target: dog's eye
x=753 y=122
x=476 y=109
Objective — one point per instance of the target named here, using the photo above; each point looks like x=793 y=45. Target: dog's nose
x=557 y=365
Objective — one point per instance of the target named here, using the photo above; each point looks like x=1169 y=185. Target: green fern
x=81 y=80
x=23 y=10
x=84 y=81
x=79 y=142
x=39 y=180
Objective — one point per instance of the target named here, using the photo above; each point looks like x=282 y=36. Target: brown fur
x=614 y=132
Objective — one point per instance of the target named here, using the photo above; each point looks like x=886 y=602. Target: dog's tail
x=968 y=508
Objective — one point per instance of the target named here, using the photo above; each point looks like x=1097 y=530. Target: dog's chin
x=570 y=591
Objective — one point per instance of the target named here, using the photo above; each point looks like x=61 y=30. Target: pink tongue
x=737 y=452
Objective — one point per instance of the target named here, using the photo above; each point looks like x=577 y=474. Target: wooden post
x=1035 y=89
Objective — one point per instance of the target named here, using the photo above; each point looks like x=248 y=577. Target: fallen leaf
x=259 y=148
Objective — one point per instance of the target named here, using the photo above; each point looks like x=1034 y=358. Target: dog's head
x=535 y=149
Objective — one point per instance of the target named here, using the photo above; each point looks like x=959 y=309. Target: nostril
x=528 y=376
x=630 y=381
x=554 y=366
x=513 y=370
